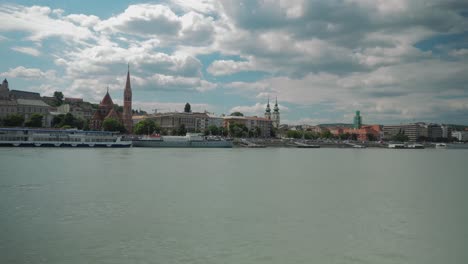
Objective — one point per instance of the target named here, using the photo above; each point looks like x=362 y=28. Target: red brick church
x=106 y=109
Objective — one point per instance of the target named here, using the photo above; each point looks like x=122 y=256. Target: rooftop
x=32 y=102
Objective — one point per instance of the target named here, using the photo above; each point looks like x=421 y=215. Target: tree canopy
x=400 y=137
x=112 y=124
x=236 y=114
x=58 y=98
x=181 y=130
x=34 y=121
x=146 y=126
x=238 y=130
x=68 y=120
x=187 y=108
x=13 y=120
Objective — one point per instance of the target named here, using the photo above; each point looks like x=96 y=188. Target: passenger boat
x=396 y=146
x=415 y=146
x=27 y=137
x=190 y=140
x=440 y=146
x=304 y=145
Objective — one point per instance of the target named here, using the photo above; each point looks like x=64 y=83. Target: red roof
x=113 y=114
x=107 y=100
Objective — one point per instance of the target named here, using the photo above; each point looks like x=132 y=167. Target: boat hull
x=181 y=144
x=65 y=145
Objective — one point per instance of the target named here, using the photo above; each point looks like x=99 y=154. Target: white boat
x=415 y=146
x=190 y=140
x=396 y=146
x=440 y=146
x=26 y=137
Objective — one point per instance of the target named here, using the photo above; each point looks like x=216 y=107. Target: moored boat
x=440 y=146
x=27 y=137
x=416 y=146
x=190 y=140
x=396 y=146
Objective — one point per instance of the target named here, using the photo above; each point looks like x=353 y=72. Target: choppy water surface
x=233 y=206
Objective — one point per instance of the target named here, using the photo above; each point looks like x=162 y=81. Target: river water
x=234 y=206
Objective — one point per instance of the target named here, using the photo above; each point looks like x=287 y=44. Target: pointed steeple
x=127 y=84
x=127 y=109
x=107 y=100
x=276 y=109
x=268 y=110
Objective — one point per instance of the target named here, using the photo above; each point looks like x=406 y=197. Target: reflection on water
x=233 y=206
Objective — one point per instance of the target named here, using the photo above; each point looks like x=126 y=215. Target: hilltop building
x=417 y=131
x=106 y=109
x=251 y=122
x=192 y=121
x=23 y=103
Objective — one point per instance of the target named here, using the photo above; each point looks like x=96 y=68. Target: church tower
x=276 y=115
x=268 y=110
x=4 y=91
x=127 y=108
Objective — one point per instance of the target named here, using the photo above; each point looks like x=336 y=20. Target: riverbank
x=293 y=143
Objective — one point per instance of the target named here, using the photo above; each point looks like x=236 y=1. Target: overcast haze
x=396 y=61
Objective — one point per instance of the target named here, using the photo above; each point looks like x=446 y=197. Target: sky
x=396 y=61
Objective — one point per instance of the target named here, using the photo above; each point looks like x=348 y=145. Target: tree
x=294 y=134
x=257 y=131
x=181 y=131
x=326 y=134
x=118 y=108
x=67 y=120
x=400 y=137
x=58 y=98
x=236 y=114
x=371 y=137
x=146 y=126
x=112 y=124
x=238 y=130
x=13 y=120
x=212 y=130
x=187 y=108
x=57 y=121
x=34 y=121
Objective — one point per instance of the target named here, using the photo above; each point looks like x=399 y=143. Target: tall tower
x=268 y=110
x=357 y=120
x=4 y=91
x=127 y=109
x=276 y=115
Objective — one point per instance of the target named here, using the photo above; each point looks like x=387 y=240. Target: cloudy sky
x=395 y=60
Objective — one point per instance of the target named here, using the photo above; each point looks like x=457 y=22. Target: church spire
x=127 y=110
x=268 y=106
x=276 y=109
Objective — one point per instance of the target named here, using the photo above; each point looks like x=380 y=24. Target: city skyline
x=395 y=62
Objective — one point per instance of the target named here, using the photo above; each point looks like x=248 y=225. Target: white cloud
x=29 y=73
x=342 y=55
x=37 y=21
x=83 y=20
x=459 y=53
x=258 y=109
x=227 y=67
x=171 y=106
x=143 y=19
x=27 y=50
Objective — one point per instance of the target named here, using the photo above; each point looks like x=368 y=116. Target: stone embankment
x=291 y=143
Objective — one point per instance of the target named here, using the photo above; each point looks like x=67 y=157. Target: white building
x=460 y=135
